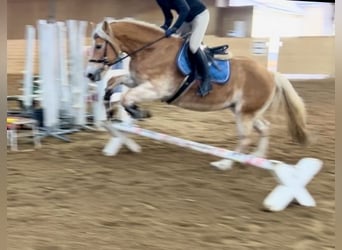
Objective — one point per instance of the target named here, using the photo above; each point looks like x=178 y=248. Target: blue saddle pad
x=219 y=69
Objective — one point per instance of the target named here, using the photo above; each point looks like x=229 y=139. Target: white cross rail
x=292 y=179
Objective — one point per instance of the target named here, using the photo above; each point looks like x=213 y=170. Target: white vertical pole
x=79 y=83
x=29 y=64
x=72 y=40
x=65 y=95
x=82 y=82
x=99 y=110
x=48 y=72
x=273 y=53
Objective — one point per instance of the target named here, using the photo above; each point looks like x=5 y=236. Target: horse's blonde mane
x=139 y=22
x=101 y=33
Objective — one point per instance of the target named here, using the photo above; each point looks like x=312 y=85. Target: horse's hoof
x=136 y=113
x=142 y=114
x=147 y=114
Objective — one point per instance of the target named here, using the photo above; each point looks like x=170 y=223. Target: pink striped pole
x=216 y=151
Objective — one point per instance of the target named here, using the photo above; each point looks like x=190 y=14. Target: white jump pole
x=79 y=84
x=76 y=92
x=50 y=82
x=292 y=179
x=48 y=72
x=29 y=65
x=83 y=81
x=72 y=56
x=65 y=90
x=273 y=44
x=99 y=110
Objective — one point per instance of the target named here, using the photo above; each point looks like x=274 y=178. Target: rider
x=193 y=17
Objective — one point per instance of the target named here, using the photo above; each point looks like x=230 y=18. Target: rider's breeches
x=197 y=27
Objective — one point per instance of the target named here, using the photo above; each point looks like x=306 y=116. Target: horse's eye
x=98 y=46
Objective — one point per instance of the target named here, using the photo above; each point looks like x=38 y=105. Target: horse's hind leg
x=244 y=124
x=262 y=128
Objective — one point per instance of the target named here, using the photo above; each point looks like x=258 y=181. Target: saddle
x=219 y=69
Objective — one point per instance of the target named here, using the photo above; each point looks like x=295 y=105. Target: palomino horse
x=250 y=90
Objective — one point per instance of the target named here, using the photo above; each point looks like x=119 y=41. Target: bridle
x=104 y=60
x=120 y=55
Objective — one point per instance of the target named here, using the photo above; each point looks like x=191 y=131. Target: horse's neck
x=134 y=36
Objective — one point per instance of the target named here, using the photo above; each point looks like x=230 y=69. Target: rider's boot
x=201 y=63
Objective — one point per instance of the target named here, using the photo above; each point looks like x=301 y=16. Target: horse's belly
x=201 y=106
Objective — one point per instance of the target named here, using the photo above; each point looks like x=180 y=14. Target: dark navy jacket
x=187 y=10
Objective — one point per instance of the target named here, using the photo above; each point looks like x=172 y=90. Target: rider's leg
x=201 y=64
x=185 y=28
x=199 y=27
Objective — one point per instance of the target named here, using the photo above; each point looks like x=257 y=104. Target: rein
x=120 y=58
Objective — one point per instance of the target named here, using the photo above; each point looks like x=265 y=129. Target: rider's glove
x=170 y=31
x=164 y=27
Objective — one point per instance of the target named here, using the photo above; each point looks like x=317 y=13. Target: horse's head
x=113 y=37
x=104 y=51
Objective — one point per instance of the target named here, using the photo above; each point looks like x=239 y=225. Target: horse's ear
x=105 y=26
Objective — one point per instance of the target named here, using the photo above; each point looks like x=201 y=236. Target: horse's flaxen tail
x=294 y=107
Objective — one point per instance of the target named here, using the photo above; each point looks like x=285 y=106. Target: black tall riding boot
x=203 y=70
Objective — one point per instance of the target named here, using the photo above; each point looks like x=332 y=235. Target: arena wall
x=297 y=55
x=301 y=55
x=23 y=12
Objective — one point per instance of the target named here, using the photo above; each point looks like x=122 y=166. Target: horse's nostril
x=91 y=76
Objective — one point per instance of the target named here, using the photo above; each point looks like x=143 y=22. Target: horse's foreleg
x=262 y=128
x=142 y=93
x=244 y=127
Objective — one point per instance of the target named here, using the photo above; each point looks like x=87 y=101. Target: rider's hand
x=170 y=31
x=164 y=27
